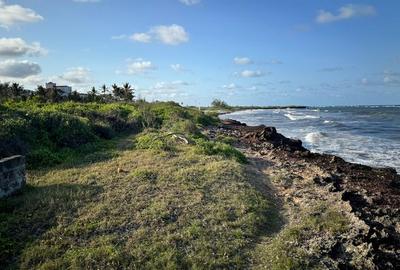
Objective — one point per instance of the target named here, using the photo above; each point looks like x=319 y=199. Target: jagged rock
x=371 y=194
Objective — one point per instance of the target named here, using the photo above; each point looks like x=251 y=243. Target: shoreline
x=369 y=162
x=368 y=197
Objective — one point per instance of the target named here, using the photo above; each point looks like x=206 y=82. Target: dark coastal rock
x=230 y=122
x=373 y=193
x=262 y=136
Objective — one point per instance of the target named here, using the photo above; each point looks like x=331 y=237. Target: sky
x=245 y=52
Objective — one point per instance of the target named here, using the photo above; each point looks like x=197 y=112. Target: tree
x=41 y=93
x=92 y=95
x=17 y=90
x=74 y=96
x=104 y=89
x=127 y=92
x=54 y=95
x=217 y=103
x=117 y=92
x=5 y=91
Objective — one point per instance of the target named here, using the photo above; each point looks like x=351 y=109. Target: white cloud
x=251 y=73
x=169 y=85
x=230 y=86
x=166 y=90
x=139 y=66
x=76 y=75
x=346 y=12
x=190 y=2
x=12 y=47
x=141 y=37
x=11 y=15
x=170 y=34
x=18 y=69
x=178 y=68
x=242 y=60
x=391 y=78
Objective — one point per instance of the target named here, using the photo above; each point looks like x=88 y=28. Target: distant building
x=63 y=89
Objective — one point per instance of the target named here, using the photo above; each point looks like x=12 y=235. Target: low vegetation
x=50 y=133
x=137 y=185
x=165 y=197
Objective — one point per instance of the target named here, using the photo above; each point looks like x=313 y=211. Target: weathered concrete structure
x=12 y=175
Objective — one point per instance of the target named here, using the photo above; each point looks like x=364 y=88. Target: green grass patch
x=137 y=210
x=218 y=148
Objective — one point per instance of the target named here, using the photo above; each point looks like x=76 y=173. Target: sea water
x=367 y=135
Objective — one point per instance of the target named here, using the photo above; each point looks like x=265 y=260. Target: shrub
x=153 y=141
x=43 y=157
x=217 y=148
x=103 y=130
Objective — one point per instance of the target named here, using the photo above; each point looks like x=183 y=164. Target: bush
x=217 y=148
x=153 y=141
x=103 y=130
x=43 y=157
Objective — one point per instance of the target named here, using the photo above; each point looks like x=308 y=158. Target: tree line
x=16 y=91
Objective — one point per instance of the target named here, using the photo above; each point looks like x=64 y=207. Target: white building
x=63 y=89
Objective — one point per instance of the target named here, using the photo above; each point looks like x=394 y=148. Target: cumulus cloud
x=13 y=47
x=76 y=75
x=230 y=86
x=251 y=73
x=242 y=60
x=141 y=37
x=166 y=90
x=168 y=34
x=11 y=15
x=345 y=12
x=169 y=85
x=190 y=2
x=139 y=66
x=18 y=69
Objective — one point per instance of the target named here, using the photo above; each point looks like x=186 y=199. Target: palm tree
x=92 y=96
x=116 y=91
x=127 y=92
x=104 y=89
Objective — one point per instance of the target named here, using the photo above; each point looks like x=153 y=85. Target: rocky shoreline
x=368 y=197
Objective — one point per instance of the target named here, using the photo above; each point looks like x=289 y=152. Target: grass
x=293 y=247
x=142 y=209
x=110 y=187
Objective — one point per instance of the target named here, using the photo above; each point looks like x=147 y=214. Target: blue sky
x=246 y=52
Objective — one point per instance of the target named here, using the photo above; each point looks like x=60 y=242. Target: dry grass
x=139 y=209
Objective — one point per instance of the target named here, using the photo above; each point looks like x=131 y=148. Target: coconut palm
x=127 y=92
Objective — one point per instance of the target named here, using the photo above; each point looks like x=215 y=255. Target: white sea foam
x=295 y=117
x=314 y=137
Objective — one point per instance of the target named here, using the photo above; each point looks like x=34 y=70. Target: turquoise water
x=367 y=135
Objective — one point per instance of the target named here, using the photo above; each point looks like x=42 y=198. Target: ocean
x=367 y=135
